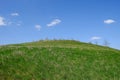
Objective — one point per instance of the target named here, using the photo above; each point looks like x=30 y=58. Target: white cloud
x=54 y=22
x=38 y=27
x=18 y=24
x=2 y=21
x=109 y=21
x=14 y=14
x=14 y=23
x=95 y=38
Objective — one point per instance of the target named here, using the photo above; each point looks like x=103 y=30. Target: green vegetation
x=59 y=60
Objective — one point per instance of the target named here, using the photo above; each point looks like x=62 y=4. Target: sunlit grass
x=59 y=60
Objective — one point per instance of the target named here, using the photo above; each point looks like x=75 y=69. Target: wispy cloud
x=2 y=21
x=95 y=38
x=109 y=21
x=14 y=23
x=18 y=24
x=14 y=14
x=54 y=22
x=38 y=27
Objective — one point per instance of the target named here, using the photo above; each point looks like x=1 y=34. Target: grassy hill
x=59 y=60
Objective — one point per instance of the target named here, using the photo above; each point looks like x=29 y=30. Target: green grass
x=59 y=60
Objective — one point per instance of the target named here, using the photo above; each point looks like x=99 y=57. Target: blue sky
x=84 y=20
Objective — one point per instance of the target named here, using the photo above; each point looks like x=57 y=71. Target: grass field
x=59 y=60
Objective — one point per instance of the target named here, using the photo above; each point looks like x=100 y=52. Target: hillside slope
x=59 y=60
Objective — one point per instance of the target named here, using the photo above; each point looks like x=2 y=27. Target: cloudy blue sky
x=83 y=20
